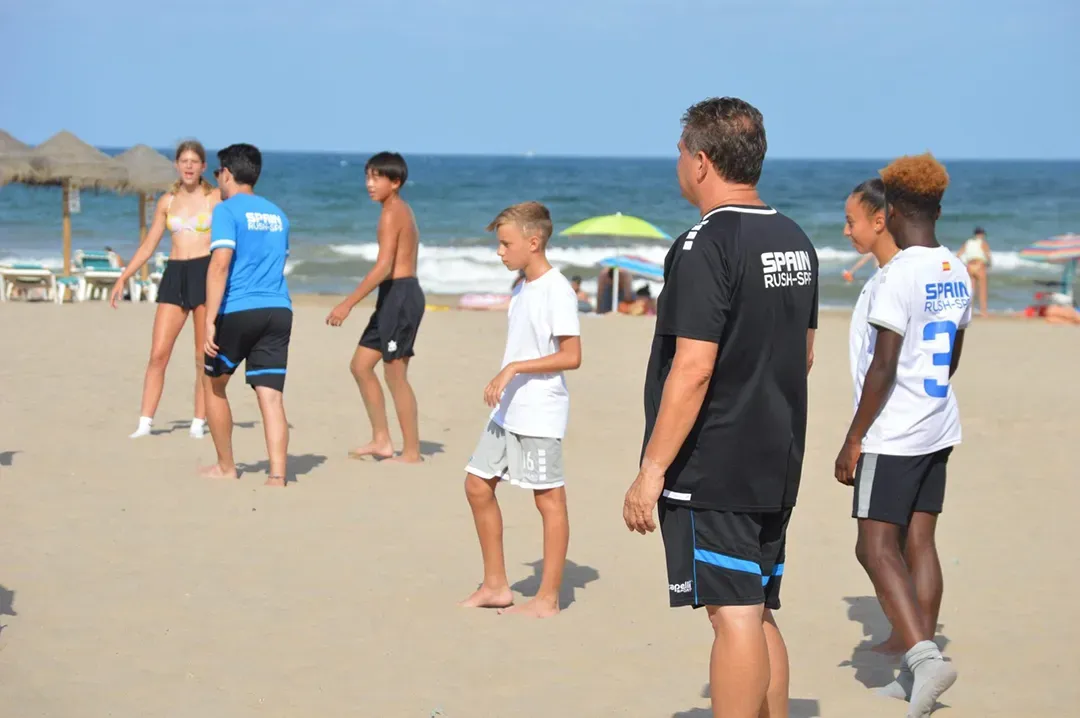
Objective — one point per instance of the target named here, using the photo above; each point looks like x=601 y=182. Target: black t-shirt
x=745 y=278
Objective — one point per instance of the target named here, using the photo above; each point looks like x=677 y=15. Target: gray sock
x=901 y=687
x=933 y=676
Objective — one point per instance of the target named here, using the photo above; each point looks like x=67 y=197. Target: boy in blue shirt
x=248 y=309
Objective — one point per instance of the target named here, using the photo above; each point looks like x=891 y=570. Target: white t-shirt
x=540 y=310
x=924 y=294
x=861 y=336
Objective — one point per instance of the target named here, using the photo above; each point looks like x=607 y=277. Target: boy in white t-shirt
x=522 y=443
x=907 y=422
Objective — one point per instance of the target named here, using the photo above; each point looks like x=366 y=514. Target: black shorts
x=892 y=488
x=258 y=336
x=723 y=558
x=184 y=282
x=392 y=329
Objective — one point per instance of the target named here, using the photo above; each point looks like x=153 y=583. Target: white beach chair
x=27 y=275
x=97 y=271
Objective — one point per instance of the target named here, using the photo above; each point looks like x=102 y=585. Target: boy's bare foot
x=275 y=481
x=485 y=597
x=404 y=458
x=375 y=449
x=890 y=645
x=216 y=472
x=536 y=608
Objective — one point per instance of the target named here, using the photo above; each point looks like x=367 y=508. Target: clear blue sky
x=834 y=78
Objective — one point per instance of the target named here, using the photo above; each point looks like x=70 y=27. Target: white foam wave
x=55 y=262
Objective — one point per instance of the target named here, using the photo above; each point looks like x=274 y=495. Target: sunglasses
x=218 y=172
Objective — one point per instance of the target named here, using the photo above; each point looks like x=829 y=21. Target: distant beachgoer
x=249 y=311
x=976 y=255
x=907 y=422
x=522 y=442
x=185 y=210
x=584 y=305
x=725 y=405
x=391 y=332
x=603 y=290
x=643 y=303
x=849 y=274
x=1055 y=313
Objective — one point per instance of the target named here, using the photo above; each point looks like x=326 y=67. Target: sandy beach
x=129 y=587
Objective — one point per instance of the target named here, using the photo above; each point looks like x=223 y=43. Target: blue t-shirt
x=257 y=232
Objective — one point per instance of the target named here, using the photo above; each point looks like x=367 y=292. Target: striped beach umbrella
x=1061 y=249
x=635 y=266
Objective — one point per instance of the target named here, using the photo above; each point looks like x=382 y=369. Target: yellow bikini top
x=199 y=223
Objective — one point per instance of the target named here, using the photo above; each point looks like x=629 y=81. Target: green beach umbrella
x=617 y=226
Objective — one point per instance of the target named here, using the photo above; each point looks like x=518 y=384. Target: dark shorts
x=892 y=488
x=723 y=558
x=258 y=336
x=392 y=329
x=183 y=282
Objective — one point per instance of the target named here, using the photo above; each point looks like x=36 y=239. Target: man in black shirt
x=725 y=404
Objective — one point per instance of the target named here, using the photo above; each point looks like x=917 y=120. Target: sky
x=988 y=79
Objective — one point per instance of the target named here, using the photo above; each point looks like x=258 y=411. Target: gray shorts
x=528 y=461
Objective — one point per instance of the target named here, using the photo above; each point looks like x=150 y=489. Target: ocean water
x=333 y=221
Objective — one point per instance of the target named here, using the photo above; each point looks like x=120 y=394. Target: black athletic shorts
x=392 y=329
x=258 y=336
x=892 y=488
x=183 y=282
x=723 y=558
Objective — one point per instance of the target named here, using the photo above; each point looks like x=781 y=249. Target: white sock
x=145 y=424
x=198 y=428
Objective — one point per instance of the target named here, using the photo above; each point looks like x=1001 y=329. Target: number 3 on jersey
x=932 y=331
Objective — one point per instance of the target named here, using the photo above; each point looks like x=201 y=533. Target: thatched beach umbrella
x=149 y=172
x=67 y=161
x=13 y=158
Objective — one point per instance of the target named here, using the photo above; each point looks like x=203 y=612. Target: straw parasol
x=13 y=159
x=67 y=161
x=149 y=172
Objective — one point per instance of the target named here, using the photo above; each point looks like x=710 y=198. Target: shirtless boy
x=399 y=307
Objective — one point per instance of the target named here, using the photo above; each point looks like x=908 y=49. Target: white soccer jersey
x=861 y=336
x=923 y=294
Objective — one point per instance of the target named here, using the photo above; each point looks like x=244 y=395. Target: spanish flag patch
x=945 y=267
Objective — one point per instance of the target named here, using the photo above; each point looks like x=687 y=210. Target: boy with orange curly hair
x=906 y=423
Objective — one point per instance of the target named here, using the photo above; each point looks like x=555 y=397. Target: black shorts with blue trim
x=723 y=558
x=259 y=337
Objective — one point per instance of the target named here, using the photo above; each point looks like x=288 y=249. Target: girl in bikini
x=975 y=254
x=186 y=211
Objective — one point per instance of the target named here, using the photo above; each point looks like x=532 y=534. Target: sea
x=454 y=198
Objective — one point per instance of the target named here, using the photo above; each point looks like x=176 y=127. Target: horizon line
x=556 y=156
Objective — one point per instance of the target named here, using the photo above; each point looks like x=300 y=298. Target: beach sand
x=128 y=587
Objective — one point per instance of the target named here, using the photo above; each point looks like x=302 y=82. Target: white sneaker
x=198 y=428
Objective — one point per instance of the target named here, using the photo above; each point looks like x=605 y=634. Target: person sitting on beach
x=907 y=422
x=249 y=311
x=186 y=211
x=522 y=442
x=977 y=256
x=391 y=332
x=643 y=304
x=603 y=290
x=584 y=305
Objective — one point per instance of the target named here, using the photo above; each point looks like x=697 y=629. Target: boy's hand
x=846 y=461
x=494 y=390
x=338 y=315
